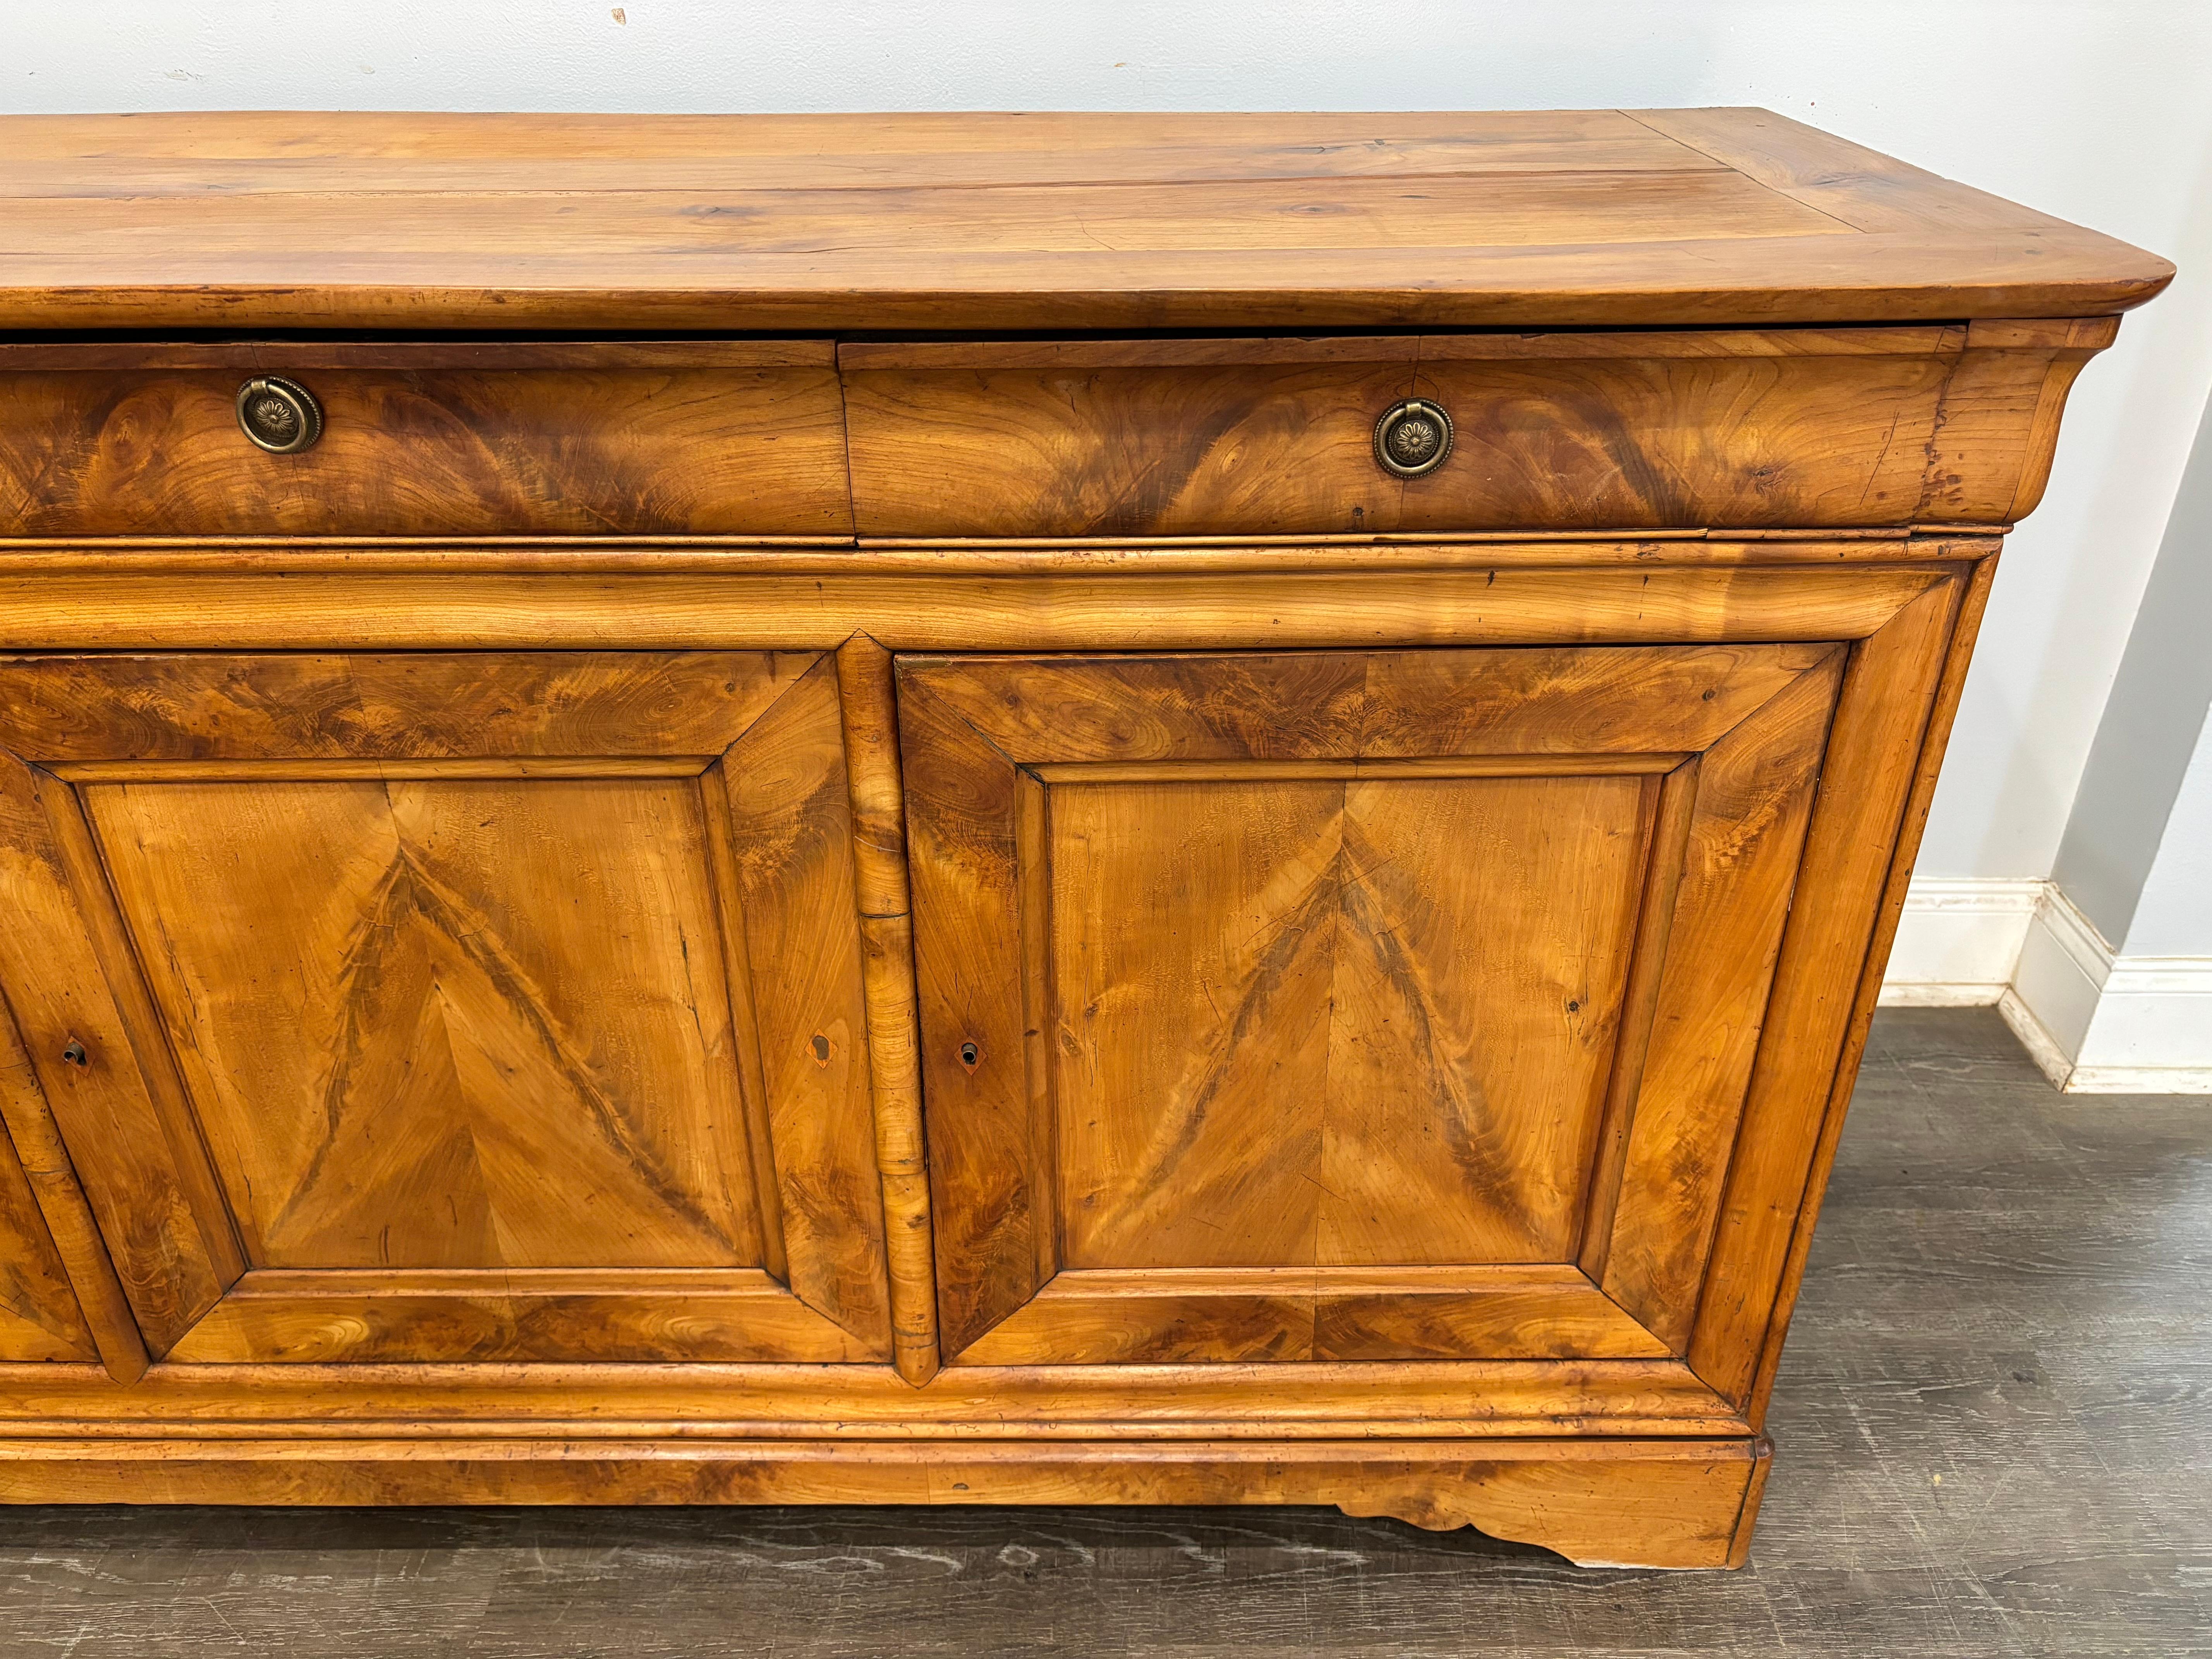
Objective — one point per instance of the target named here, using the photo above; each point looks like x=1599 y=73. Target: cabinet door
x=451 y=1006
x=1345 y=1005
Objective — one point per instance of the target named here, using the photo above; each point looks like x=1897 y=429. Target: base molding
x=1598 y=1501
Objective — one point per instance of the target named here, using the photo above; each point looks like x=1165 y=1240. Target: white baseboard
x=2152 y=1031
x=2094 y=1022
x=1958 y=943
x=2064 y=964
x=2051 y=1059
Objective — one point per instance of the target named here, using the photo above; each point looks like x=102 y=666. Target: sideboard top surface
x=998 y=222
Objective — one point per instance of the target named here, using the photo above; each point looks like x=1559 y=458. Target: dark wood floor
x=1995 y=1425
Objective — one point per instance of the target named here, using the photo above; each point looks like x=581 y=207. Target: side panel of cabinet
x=478 y=1007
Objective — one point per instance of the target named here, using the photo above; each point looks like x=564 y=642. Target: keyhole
x=821 y=1047
x=970 y=1055
x=73 y=1052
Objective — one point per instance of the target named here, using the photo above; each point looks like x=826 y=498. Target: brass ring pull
x=1413 y=438
x=281 y=416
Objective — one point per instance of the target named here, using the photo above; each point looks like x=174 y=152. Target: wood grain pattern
x=1882 y=721
x=1667 y=1504
x=1385 y=957
x=1800 y=428
x=516 y=1315
x=39 y=1319
x=1738 y=875
x=1663 y=856
x=2074 y=1466
x=87 y=1270
x=224 y=706
x=1287 y=1022
x=1328 y=1024
x=790 y=838
x=885 y=147
x=1510 y=1399
x=702 y=556
x=1014 y=222
x=163 y=1226
x=866 y=705
x=399 y=1052
x=1193 y=216
x=1990 y=456
x=1136 y=610
x=410 y=450
x=1973 y=603
x=1542 y=701
x=963 y=824
x=1211 y=1315
x=477 y=1019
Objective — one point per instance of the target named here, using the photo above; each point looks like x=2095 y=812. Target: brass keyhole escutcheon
x=970 y=1055
x=1413 y=438
x=280 y=416
x=73 y=1052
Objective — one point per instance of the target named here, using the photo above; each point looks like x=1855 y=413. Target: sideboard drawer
x=427 y=439
x=1680 y=428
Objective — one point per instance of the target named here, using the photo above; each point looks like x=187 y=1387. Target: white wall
x=2175 y=916
x=2098 y=111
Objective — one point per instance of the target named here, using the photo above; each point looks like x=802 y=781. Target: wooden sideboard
x=983 y=809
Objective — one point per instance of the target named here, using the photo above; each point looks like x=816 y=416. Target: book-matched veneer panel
x=1416 y=979
x=402 y=1056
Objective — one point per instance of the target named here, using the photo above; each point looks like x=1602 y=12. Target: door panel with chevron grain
x=1346 y=1006
x=452 y=1006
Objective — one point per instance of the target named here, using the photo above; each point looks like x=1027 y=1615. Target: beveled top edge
x=940 y=223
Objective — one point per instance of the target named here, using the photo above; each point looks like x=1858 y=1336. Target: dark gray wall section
x=2157 y=708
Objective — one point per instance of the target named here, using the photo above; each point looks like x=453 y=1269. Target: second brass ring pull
x=281 y=416
x=1413 y=438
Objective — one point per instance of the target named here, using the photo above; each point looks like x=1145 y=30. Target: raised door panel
x=413 y=1010
x=1382 y=1005
x=1344 y=1006
x=480 y=1006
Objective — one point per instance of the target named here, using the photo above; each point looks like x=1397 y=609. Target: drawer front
x=707 y=437
x=1849 y=428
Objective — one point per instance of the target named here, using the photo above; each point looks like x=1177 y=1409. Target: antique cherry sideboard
x=968 y=809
